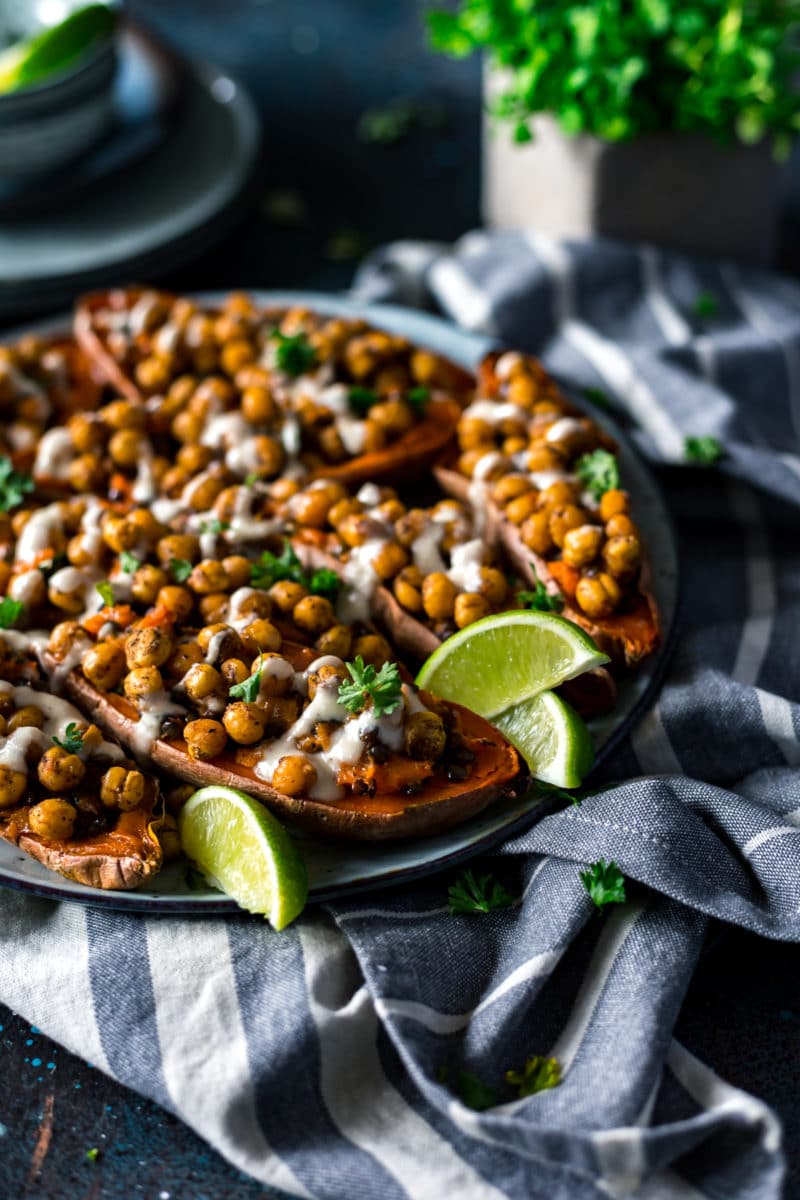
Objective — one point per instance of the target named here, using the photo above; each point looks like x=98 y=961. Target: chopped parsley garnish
x=361 y=399
x=214 y=526
x=418 y=398
x=10 y=612
x=325 y=582
x=706 y=305
x=538 y=1074
x=598 y=398
x=704 y=450
x=477 y=894
x=541 y=600
x=474 y=1093
x=106 y=593
x=252 y=479
x=14 y=486
x=294 y=353
x=598 y=472
x=381 y=687
x=181 y=569
x=247 y=689
x=605 y=883
x=272 y=568
x=129 y=562
x=73 y=739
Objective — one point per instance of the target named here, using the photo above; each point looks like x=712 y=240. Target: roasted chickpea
x=581 y=545
x=373 y=648
x=205 y=739
x=277 y=674
x=213 y=607
x=169 y=838
x=194 y=458
x=64 y=637
x=564 y=519
x=244 y=722
x=122 y=788
x=613 y=502
x=143 y=681
x=258 y=406
x=86 y=431
x=186 y=653
x=409 y=596
x=424 y=736
x=375 y=436
x=201 y=681
x=470 y=607
x=598 y=595
x=234 y=670
x=542 y=457
x=126 y=447
x=176 y=600
x=203 y=491
x=148 y=647
x=13 y=785
x=152 y=374
x=104 y=665
x=294 y=775
x=147 y=582
x=285 y=595
x=535 y=533
x=263 y=634
x=510 y=487
x=314 y=614
x=620 y=525
x=494 y=585
x=280 y=712
x=208 y=576
x=120 y=533
x=389 y=560
x=475 y=434
x=395 y=416
x=256 y=604
x=522 y=390
x=311 y=508
x=219 y=641
x=52 y=819
x=558 y=495
x=237 y=569
x=439 y=596
x=59 y=770
x=26 y=717
x=343 y=508
x=622 y=556
x=337 y=640
x=30 y=587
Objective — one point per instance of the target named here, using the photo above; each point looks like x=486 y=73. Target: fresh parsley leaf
x=106 y=593
x=129 y=562
x=252 y=479
x=325 y=582
x=706 y=306
x=474 y=1093
x=73 y=739
x=10 y=612
x=294 y=353
x=271 y=568
x=481 y=894
x=247 y=689
x=538 y=1074
x=214 y=526
x=181 y=569
x=704 y=450
x=14 y=486
x=382 y=687
x=598 y=398
x=93 y=1154
x=605 y=883
x=361 y=399
x=541 y=600
x=418 y=398
x=598 y=472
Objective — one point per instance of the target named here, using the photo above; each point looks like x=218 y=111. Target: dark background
x=324 y=196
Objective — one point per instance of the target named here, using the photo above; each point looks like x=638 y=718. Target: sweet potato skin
x=361 y=818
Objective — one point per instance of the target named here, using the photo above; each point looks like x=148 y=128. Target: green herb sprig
x=540 y=599
x=294 y=354
x=72 y=741
x=106 y=593
x=598 y=472
x=382 y=687
x=10 y=612
x=129 y=562
x=273 y=568
x=180 y=569
x=248 y=689
x=482 y=893
x=605 y=883
x=14 y=486
x=361 y=399
x=417 y=398
x=703 y=450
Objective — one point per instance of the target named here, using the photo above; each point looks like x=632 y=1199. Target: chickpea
x=85 y=431
x=475 y=434
x=275 y=680
x=13 y=785
x=494 y=585
x=104 y=665
x=177 y=796
x=510 y=487
x=201 y=681
x=178 y=601
x=470 y=607
x=244 y=722
x=26 y=717
x=337 y=640
x=148 y=647
x=390 y=559
x=52 y=819
x=331 y=445
x=258 y=406
x=535 y=533
x=204 y=491
x=126 y=447
x=142 y=681
x=263 y=634
x=208 y=576
x=147 y=582
x=395 y=416
x=439 y=596
x=622 y=556
x=205 y=739
x=235 y=354
x=542 y=457
x=343 y=508
x=424 y=736
x=122 y=788
x=522 y=391
x=220 y=639
x=613 y=502
x=285 y=595
x=620 y=525
x=152 y=375
x=120 y=533
x=237 y=569
x=233 y=671
x=375 y=437
x=314 y=614
x=564 y=519
x=558 y=495
x=407 y=595
x=280 y=712
x=194 y=458
x=373 y=648
x=311 y=508
x=64 y=637
x=581 y=545
x=169 y=838
x=352 y=529
x=60 y=771
x=30 y=588
x=257 y=604
x=519 y=509
x=294 y=775
x=186 y=653
x=598 y=595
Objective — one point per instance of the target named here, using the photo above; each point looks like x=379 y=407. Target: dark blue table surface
x=325 y=195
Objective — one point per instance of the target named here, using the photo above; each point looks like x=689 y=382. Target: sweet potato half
x=388 y=814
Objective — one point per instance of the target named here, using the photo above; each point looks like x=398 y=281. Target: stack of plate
x=168 y=180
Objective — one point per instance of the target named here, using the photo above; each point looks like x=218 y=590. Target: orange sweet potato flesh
x=389 y=814
x=122 y=858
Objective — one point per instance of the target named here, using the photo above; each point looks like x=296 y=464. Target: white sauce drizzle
x=54 y=455
x=563 y=428
x=465 y=565
x=360 y=578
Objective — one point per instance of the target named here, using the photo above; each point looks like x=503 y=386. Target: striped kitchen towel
x=363 y=1052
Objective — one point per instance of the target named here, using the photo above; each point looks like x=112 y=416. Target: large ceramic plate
x=337 y=868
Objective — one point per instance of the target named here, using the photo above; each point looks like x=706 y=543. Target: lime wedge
x=500 y=660
x=54 y=49
x=243 y=850
x=551 y=737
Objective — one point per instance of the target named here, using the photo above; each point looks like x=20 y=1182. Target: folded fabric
x=363 y=1052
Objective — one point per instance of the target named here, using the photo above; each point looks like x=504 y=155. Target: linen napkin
x=363 y=1051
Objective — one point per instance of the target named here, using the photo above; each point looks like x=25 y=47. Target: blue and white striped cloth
x=325 y=1060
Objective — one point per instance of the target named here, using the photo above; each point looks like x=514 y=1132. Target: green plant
x=618 y=68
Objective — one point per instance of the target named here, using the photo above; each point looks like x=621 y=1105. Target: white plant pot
x=686 y=192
